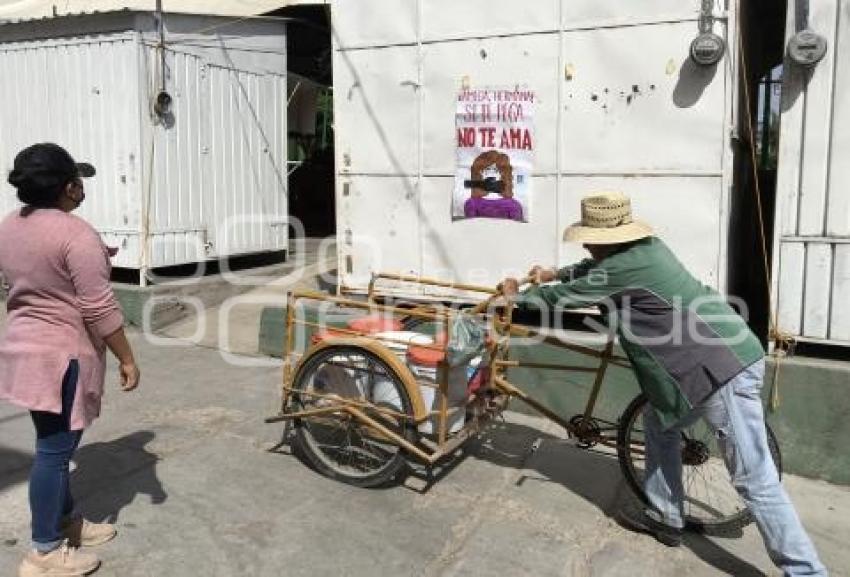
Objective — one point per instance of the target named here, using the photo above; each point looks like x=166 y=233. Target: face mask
x=82 y=197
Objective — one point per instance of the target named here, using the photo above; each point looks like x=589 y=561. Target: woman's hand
x=129 y=375
x=542 y=275
x=129 y=371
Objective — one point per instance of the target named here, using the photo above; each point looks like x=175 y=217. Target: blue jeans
x=736 y=416
x=50 y=496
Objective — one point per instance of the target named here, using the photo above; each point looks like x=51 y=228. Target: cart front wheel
x=336 y=443
x=712 y=505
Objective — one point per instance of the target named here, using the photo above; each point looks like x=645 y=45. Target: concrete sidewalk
x=233 y=324
x=187 y=469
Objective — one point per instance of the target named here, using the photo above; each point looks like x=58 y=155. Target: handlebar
x=484 y=305
x=479 y=308
x=431 y=282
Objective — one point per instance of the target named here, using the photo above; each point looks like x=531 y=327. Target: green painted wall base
x=811 y=422
x=133 y=300
x=162 y=304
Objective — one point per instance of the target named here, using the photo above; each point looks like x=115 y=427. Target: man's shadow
x=592 y=474
x=108 y=476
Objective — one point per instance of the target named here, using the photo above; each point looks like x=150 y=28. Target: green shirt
x=682 y=337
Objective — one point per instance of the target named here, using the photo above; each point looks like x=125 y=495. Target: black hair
x=42 y=171
x=35 y=192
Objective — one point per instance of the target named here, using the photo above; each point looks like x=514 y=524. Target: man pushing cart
x=694 y=358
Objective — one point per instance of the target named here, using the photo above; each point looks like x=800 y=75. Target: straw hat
x=606 y=218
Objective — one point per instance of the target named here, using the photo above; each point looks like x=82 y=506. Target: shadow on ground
x=544 y=458
x=593 y=475
x=14 y=467
x=110 y=475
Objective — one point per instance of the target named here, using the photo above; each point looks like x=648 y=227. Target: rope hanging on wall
x=783 y=343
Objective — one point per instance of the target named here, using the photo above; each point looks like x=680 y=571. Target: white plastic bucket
x=399 y=341
x=352 y=383
x=458 y=380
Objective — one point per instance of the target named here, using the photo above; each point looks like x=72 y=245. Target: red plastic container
x=375 y=324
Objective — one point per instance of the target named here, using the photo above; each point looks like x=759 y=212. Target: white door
x=245 y=146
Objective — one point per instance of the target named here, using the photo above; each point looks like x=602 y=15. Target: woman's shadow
x=108 y=476
x=592 y=474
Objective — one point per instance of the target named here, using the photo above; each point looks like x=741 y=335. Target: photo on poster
x=495 y=150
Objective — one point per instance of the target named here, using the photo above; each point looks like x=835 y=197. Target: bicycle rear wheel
x=712 y=505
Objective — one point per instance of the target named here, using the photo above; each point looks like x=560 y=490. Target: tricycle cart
x=366 y=398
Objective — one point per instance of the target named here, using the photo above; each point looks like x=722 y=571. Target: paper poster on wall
x=495 y=152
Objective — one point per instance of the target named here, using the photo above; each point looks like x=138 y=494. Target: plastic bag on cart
x=469 y=336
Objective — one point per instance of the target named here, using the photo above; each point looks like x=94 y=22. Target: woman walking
x=62 y=315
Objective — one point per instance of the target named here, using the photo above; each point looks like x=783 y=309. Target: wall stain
x=627 y=94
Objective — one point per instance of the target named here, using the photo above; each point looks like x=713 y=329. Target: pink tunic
x=60 y=306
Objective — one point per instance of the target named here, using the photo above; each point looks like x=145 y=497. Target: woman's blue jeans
x=50 y=495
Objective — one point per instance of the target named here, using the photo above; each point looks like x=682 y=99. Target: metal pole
x=765 y=120
x=801 y=15
x=288 y=347
x=326 y=110
x=706 y=16
x=161 y=29
x=597 y=383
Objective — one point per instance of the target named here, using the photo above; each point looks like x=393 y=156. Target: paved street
x=189 y=472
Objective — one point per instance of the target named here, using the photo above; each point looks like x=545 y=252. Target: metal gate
x=621 y=106
x=811 y=266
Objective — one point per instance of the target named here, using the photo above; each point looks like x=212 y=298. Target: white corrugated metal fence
x=207 y=181
x=812 y=246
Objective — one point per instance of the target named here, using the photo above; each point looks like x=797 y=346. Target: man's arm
x=586 y=284
x=565 y=274
x=574 y=271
